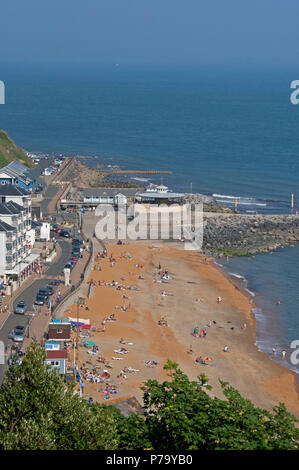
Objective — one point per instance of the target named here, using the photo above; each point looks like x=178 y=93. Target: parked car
x=21 y=307
x=17 y=334
x=65 y=233
x=55 y=282
x=43 y=291
x=40 y=300
x=76 y=248
x=68 y=266
x=50 y=290
x=76 y=241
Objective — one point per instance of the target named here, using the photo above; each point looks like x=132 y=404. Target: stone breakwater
x=247 y=234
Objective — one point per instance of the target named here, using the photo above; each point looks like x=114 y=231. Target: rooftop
x=109 y=192
x=60 y=354
x=157 y=195
x=10 y=208
x=11 y=190
x=4 y=227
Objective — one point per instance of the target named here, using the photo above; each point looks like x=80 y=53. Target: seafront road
x=29 y=295
x=35 y=321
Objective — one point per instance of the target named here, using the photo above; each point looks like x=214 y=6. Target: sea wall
x=247 y=234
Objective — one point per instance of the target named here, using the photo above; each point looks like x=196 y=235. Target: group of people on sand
x=92 y=376
x=162 y=322
x=101 y=255
x=199 y=334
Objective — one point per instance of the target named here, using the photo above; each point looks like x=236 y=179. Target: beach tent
x=87 y=342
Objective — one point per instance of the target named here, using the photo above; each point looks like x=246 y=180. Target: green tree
x=132 y=431
x=39 y=411
x=181 y=415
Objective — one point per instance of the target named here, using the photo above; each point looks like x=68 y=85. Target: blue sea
x=223 y=131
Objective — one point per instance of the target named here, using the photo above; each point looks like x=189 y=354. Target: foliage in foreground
x=39 y=411
x=181 y=415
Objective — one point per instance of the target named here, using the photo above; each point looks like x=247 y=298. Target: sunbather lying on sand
x=121 y=351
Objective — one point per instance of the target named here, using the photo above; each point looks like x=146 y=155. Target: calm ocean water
x=229 y=132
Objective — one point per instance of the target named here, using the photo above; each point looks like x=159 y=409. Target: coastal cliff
x=10 y=152
x=239 y=234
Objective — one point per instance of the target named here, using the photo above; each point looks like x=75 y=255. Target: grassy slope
x=9 y=152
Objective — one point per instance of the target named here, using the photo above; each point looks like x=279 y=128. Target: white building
x=117 y=196
x=16 y=232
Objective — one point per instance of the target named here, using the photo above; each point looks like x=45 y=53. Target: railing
x=76 y=286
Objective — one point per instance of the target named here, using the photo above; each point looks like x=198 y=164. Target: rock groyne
x=239 y=234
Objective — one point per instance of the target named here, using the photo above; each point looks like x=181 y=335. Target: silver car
x=17 y=334
x=21 y=307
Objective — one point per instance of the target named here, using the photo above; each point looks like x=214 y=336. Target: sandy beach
x=186 y=301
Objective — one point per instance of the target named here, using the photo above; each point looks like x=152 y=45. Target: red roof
x=61 y=354
x=65 y=334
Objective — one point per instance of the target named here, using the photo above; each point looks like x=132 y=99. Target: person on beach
x=283 y=353
x=219 y=300
x=273 y=351
x=190 y=350
x=225 y=349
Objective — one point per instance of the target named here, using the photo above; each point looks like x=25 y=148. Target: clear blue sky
x=150 y=31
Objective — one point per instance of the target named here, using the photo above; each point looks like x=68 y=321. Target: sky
x=238 y=32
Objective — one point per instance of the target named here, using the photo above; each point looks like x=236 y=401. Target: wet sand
x=193 y=277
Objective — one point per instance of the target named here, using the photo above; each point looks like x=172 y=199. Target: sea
x=228 y=132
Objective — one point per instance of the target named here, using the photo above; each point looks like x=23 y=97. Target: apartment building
x=16 y=233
